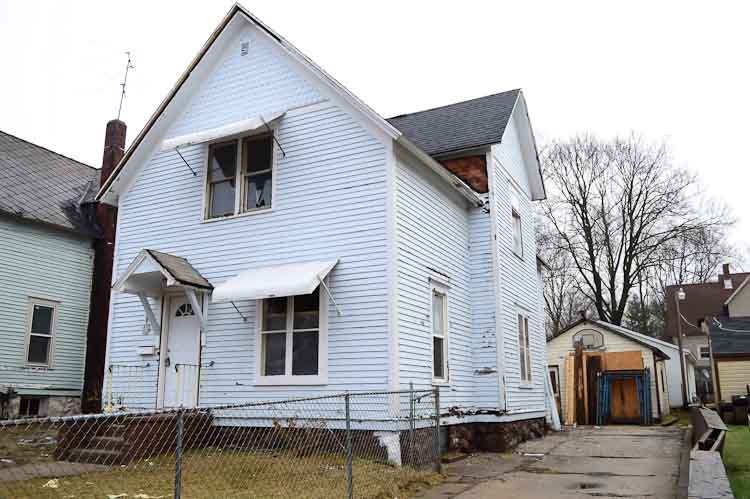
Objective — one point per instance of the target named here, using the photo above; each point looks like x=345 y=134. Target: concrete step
x=96 y=456
x=111 y=430
x=107 y=443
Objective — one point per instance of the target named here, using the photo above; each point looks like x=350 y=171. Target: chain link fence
x=374 y=444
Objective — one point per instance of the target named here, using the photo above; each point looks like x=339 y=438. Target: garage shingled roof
x=44 y=186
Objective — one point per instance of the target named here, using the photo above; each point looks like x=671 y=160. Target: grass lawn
x=212 y=474
x=737 y=460
x=22 y=445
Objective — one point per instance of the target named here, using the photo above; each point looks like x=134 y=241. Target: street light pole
x=680 y=295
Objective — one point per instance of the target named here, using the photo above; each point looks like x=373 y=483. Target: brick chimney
x=114 y=147
x=725 y=270
x=104 y=250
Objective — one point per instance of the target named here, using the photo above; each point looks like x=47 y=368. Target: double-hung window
x=292 y=339
x=41 y=330
x=439 y=298
x=517 y=225
x=524 y=352
x=704 y=352
x=240 y=176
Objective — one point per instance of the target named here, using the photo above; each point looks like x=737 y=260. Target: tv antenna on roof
x=128 y=67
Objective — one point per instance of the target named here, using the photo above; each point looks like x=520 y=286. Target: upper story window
x=517 y=224
x=41 y=331
x=704 y=352
x=517 y=234
x=240 y=176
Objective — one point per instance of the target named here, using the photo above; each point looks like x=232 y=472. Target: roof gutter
x=466 y=191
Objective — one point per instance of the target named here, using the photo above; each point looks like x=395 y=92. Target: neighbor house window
x=291 y=336
x=240 y=176
x=439 y=332
x=704 y=352
x=41 y=331
x=524 y=353
x=554 y=376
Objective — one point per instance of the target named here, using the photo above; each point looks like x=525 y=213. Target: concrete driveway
x=613 y=461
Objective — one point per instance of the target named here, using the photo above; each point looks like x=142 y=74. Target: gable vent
x=244 y=48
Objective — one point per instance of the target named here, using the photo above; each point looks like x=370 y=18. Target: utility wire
x=720 y=326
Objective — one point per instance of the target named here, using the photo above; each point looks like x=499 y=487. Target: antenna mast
x=128 y=67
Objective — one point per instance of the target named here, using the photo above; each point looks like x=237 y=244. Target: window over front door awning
x=276 y=280
x=250 y=125
x=153 y=273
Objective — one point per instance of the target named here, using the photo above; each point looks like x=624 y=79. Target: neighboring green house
x=47 y=235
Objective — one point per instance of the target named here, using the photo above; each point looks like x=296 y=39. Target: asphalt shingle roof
x=472 y=123
x=44 y=186
x=733 y=337
x=180 y=269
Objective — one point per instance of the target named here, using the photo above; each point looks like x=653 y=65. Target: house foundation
x=494 y=437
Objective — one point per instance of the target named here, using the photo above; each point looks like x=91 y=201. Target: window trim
x=239 y=191
x=289 y=379
x=439 y=287
x=515 y=215
x=554 y=368
x=526 y=379
x=53 y=328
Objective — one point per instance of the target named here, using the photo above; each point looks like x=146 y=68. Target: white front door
x=181 y=360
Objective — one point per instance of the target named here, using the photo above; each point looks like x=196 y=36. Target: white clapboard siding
x=329 y=202
x=43 y=262
x=433 y=241
x=519 y=284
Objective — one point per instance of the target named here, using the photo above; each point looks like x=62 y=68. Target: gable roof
x=484 y=119
x=455 y=127
x=43 y=186
x=639 y=338
x=701 y=300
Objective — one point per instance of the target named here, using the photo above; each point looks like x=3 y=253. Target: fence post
x=411 y=422
x=436 y=434
x=349 y=451
x=178 y=456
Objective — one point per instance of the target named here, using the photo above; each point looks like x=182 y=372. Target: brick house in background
x=56 y=247
x=701 y=300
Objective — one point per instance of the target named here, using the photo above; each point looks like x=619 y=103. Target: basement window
x=240 y=176
x=31 y=407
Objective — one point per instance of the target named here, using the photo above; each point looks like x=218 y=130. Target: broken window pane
x=274 y=353
x=221 y=177
x=258 y=191
x=305 y=353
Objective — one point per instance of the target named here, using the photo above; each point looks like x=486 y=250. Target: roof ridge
x=47 y=149
x=454 y=103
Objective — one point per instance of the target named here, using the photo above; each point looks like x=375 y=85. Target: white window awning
x=224 y=131
x=277 y=280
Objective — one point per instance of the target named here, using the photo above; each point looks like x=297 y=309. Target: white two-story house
x=278 y=238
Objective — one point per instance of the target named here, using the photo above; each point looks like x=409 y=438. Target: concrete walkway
x=613 y=461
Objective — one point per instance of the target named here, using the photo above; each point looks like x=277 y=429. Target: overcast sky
x=664 y=69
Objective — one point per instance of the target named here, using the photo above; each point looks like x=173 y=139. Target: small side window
x=439 y=332
x=517 y=234
x=524 y=352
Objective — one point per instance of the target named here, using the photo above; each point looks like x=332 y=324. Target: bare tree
x=616 y=205
x=563 y=299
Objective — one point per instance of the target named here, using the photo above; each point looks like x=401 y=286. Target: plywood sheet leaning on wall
x=570 y=398
x=623 y=361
